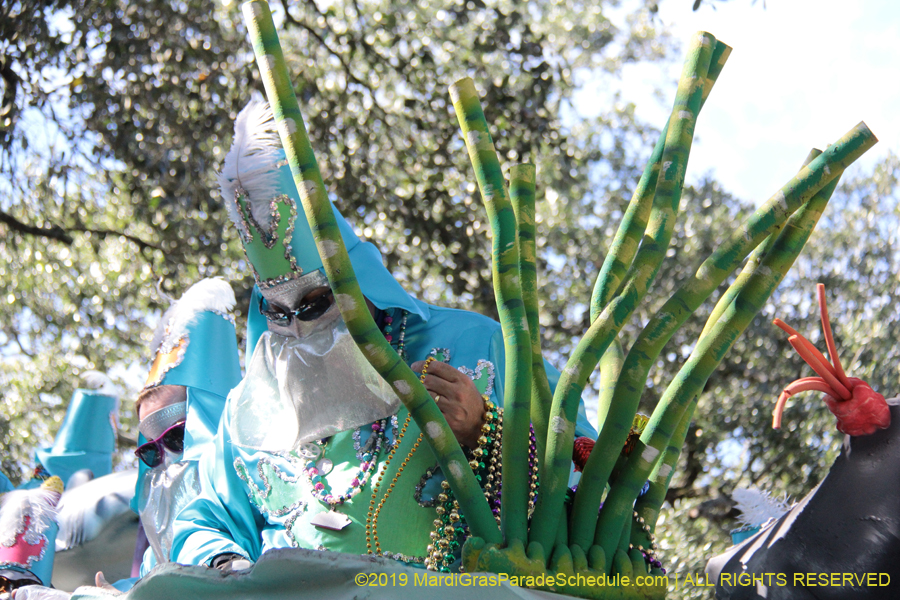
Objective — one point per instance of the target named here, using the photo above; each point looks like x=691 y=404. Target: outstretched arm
x=221 y=520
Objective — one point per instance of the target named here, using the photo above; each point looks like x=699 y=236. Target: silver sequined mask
x=166 y=490
x=299 y=389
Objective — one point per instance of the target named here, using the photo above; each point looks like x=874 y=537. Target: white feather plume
x=251 y=163
x=757 y=507
x=95 y=380
x=213 y=294
x=39 y=505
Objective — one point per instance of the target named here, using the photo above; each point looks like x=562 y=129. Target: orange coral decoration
x=859 y=409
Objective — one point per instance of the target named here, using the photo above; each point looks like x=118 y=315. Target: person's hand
x=101 y=582
x=229 y=561
x=457 y=397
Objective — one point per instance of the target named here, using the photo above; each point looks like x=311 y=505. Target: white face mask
x=299 y=389
x=166 y=489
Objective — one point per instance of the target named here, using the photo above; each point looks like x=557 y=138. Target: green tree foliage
x=116 y=115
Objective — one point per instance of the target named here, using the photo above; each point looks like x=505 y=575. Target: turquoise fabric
x=223 y=519
x=142 y=472
x=5 y=484
x=123 y=585
x=86 y=439
x=209 y=369
x=211 y=362
x=43 y=568
x=375 y=281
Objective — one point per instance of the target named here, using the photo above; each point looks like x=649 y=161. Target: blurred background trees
x=115 y=116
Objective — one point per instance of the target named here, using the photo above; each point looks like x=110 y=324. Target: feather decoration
x=758 y=507
x=95 y=380
x=251 y=165
x=213 y=294
x=37 y=505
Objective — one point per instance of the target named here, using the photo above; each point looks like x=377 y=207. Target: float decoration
x=552 y=542
x=859 y=409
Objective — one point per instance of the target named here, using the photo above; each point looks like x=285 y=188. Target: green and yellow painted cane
x=709 y=352
x=522 y=195
x=553 y=546
x=343 y=282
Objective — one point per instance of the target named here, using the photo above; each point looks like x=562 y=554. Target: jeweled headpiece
x=28 y=526
x=259 y=193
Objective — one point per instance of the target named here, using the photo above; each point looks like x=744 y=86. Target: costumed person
x=81 y=451
x=196 y=363
x=86 y=439
x=314 y=449
x=27 y=535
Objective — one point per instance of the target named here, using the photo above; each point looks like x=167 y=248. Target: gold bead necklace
x=372 y=515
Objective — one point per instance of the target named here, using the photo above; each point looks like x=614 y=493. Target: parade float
x=842 y=537
x=595 y=540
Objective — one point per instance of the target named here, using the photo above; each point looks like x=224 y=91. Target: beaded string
x=649 y=554
x=368 y=459
x=366 y=468
x=450 y=528
x=372 y=516
x=401 y=335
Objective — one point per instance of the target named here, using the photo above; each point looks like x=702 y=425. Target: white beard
x=299 y=389
x=166 y=490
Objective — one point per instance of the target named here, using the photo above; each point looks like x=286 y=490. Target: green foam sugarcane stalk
x=720 y=264
x=510 y=306
x=627 y=239
x=342 y=279
x=709 y=352
x=628 y=236
x=646 y=509
x=634 y=222
x=610 y=367
x=522 y=180
x=755 y=257
x=560 y=436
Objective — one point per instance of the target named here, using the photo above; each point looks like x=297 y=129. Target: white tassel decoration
x=758 y=507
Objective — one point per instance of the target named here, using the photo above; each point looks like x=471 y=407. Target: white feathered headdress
x=251 y=165
x=29 y=513
x=213 y=294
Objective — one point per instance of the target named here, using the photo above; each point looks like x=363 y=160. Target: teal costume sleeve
x=5 y=484
x=221 y=519
x=123 y=585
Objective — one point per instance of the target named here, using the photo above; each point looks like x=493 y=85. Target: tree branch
x=340 y=57
x=54 y=232
x=108 y=232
